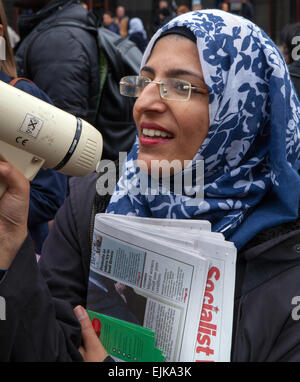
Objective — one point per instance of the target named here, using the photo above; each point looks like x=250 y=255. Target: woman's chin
x=144 y=162
x=159 y=166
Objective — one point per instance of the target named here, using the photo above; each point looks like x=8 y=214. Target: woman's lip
x=149 y=141
x=153 y=126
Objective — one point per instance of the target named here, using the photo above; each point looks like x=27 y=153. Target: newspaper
x=175 y=277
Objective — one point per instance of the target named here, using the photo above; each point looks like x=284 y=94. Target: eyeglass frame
x=193 y=89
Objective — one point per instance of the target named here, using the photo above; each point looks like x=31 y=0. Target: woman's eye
x=180 y=86
x=142 y=83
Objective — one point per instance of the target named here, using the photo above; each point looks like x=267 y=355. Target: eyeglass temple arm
x=199 y=90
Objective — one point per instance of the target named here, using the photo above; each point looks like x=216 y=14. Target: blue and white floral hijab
x=252 y=150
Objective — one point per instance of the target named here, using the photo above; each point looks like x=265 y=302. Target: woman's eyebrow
x=175 y=72
x=147 y=69
x=183 y=72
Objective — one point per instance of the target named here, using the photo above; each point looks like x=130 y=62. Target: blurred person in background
x=137 y=33
x=48 y=188
x=122 y=20
x=84 y=5
x=182 y=9
x=165 y=15
x=61 y=61
x=247 y=10
x=64 y=62
x=224 y=6
x=197 y=7
x=162 y=4
x=109 y=23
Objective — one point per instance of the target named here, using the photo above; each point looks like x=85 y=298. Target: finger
x=14 y=180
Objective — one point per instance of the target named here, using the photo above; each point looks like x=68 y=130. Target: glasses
x=171 y=89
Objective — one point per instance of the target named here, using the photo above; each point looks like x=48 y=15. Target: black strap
x=103 y=68
x=101 y=202
x=72 y=148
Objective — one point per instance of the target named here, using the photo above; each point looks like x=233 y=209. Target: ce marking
x=21 y=140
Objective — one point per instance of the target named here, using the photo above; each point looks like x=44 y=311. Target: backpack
x=118 y=57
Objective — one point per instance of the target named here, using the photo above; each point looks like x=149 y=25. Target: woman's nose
x=150 y=99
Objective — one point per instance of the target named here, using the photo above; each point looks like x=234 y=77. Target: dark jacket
x=114 y=27
x=40 y=322
x=62 y=61
x=47 y=189
x=247 y=11
x=294 y=70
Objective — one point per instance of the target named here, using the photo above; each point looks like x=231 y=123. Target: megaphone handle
x=2 y=187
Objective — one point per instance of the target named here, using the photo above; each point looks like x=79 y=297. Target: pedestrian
x=165 y=16
x=162 y=4
x=84 y=5
x=221 y=94
x=48 y=189
x=108 y=22
x=247 y=10
x=122 y=20
x=61 y=61
x=137 y=33
x=182 y=9
x=197 y=7
x=64 y=62
x=224 y=6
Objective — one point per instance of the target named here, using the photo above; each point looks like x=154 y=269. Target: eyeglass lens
x=170 y=88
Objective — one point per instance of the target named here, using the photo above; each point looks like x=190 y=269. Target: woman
x=232 y=105
x=137 y=33
x=48 y=189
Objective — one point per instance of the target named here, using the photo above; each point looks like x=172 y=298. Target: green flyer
x=124 y=340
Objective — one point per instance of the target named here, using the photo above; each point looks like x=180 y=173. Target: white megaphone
x=34 y=133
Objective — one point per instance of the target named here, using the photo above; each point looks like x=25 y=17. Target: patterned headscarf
x=251 y=153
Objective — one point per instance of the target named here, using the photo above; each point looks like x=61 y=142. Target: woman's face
x=185 y=122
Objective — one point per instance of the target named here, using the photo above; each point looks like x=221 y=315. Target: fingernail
x=80 y=313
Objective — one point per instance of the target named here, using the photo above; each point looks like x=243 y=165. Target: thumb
x=92 y=349
x=89 y=337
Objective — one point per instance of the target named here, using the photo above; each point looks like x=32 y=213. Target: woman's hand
x=92 y=349
x=14 y=206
